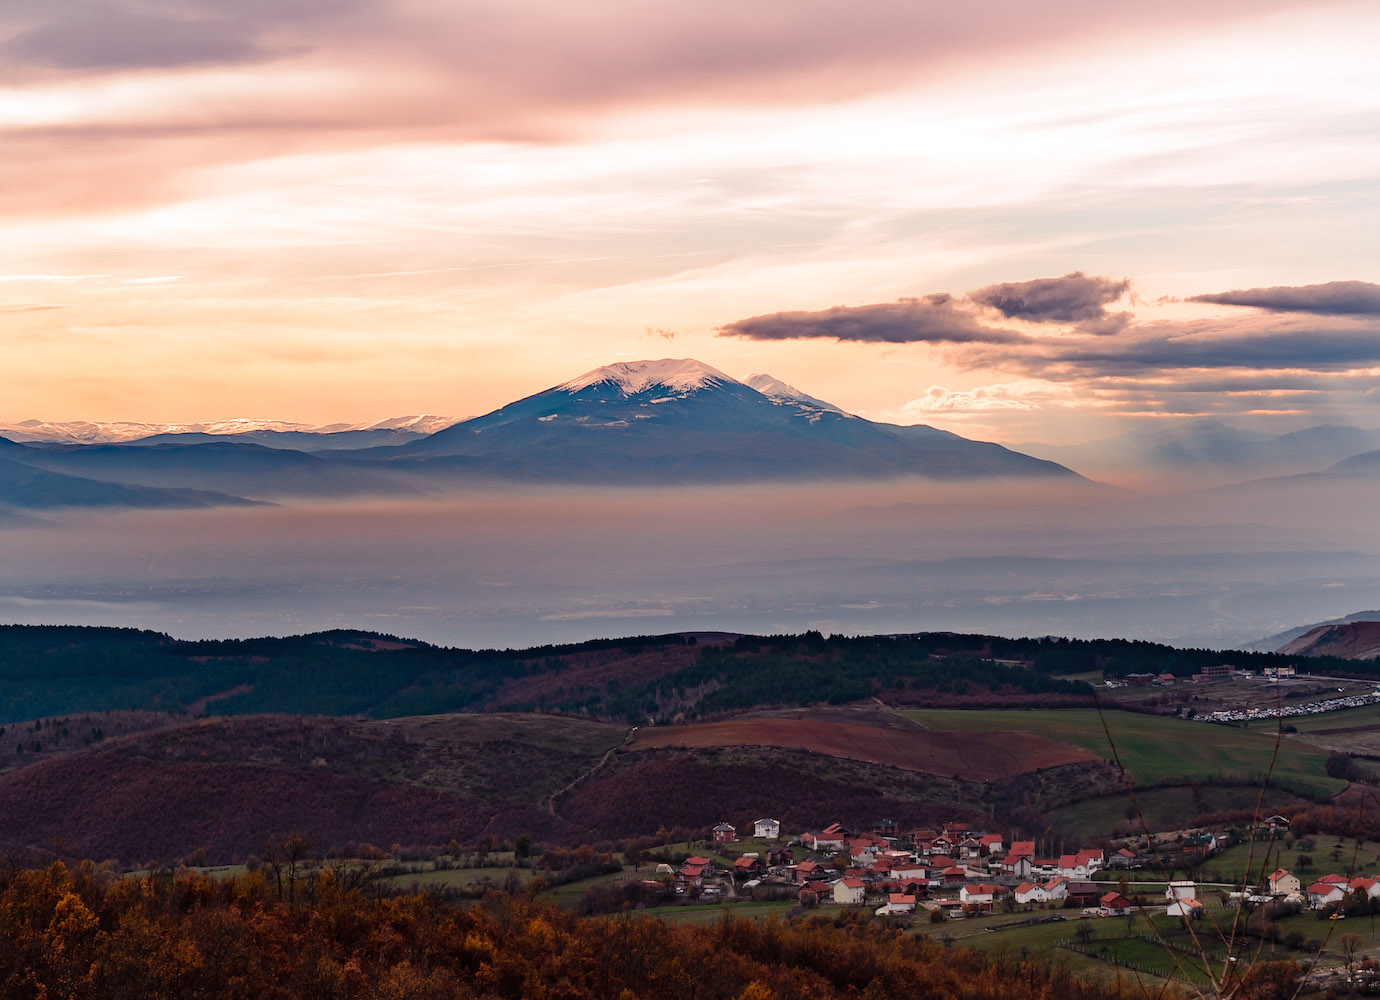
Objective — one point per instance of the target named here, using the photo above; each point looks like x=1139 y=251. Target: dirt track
x=973 y=756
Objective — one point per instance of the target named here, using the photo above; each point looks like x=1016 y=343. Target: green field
x=708 y=914
x=1229 y=865
x=1163 y=808
x=1367 y=715
x=1156 y=750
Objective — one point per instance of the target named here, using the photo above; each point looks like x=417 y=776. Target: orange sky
x=342 y=210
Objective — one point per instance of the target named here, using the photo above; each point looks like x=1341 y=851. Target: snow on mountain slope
x=774 y=388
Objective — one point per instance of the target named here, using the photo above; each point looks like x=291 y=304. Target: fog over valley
x=530 y=565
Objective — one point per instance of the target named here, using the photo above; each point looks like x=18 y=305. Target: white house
x=1181 y=890
x=897 y=903
x=981 y=896
x=1185 y=907
x=1370 y=886
x=1056 y=889
x=1028 y=892
x=1322 y=893
x=769 y=829
x=849 y=891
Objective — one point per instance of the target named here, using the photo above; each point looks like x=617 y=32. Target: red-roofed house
x=897 y=903
x=1114 y=904
x=1283 y=882
x=747 y=866
x=1370 y=886
x=1322 y=892
x=849 y=891
x=1184 y=908
x=1029 y=892
x=831 y=838
x=980 y=897
x=991 y=843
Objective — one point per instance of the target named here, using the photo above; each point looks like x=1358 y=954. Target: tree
x=522 y=848
x=1304 y=861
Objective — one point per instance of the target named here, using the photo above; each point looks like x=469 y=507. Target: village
x=958 y=872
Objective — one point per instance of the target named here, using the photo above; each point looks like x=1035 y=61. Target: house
x=1200 y=844
x=885 y=828
x=1216 y=671
x=918 y=888
x=1056 y=889
x=1283 y=882
x=808 y=870
x=831 y=838
x=1085 y=893
x=1164 y=679
x=1122 y=859
x=725 y=833
x=1369 y=886
x=991 y=844
x=1181 y=890
x=767 y=829
x=938 y=845
x=1186 y=907
x=908 y=869
x=980 y=897
x=820 y=889
x=1019 y=865
x=969 y=849
x=691 y=875
x=1079 y=865
x=1030 y=892
x=1276 y=823
x=849 y=891
x=748 y=865
x=897 y=903
x=1322 y=893
x=1114 y=904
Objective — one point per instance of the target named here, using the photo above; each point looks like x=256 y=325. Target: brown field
x=972 y=756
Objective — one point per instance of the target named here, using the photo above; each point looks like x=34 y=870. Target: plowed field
x=974 y=756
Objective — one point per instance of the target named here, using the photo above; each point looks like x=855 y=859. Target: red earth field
x=972 y=756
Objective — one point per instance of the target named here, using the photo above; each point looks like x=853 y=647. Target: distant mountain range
x=637 y=423
x=271 y=433
x=1211 y=451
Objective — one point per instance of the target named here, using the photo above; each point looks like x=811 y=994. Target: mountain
x=1210 y=451
x=218 y=466
x=273 y=433
x=28 y=488
x=680 y=420
x=1354 y=640
x=1271 y=643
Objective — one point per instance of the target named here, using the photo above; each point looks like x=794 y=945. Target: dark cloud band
x=1074 y=298
x=1335 y=298
x=932 y=319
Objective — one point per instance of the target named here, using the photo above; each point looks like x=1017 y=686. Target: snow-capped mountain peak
x=681 y=375
x=774 y=388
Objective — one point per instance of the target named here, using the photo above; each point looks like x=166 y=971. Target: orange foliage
x=85 y=932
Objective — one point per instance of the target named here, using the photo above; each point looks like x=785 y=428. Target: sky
x=1039 y=222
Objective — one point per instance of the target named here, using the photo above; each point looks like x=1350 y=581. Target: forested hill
x=86 y=933
x=48 y=671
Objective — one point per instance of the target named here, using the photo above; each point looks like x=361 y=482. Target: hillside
x=48 y=671
x=1356 y=640
x=222 y=788
x=226 y=786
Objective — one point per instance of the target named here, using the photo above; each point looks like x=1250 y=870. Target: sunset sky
x=1012 y=220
